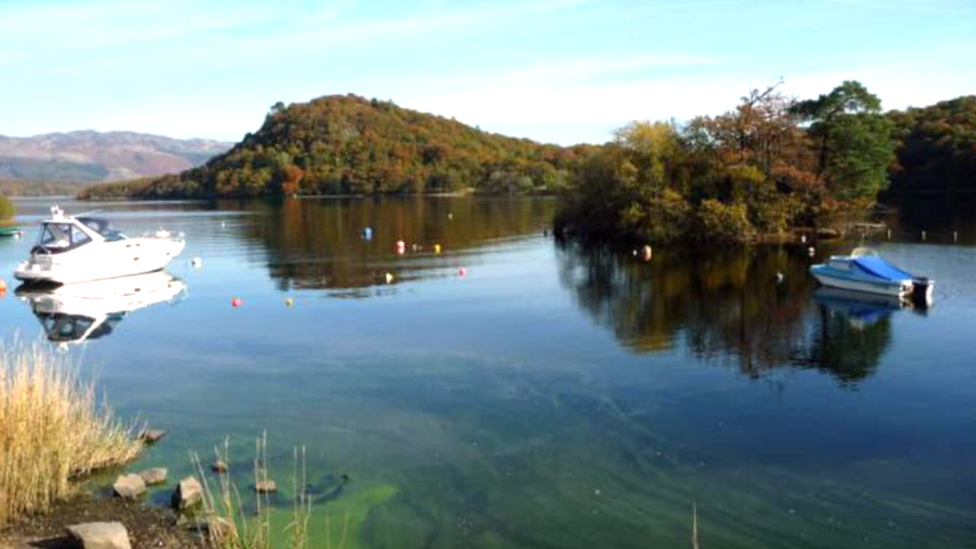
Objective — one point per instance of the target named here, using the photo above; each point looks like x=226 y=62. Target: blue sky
x=563 y=71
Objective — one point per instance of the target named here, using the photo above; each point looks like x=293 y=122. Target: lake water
x=553 y=396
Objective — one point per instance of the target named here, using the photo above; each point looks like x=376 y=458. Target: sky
x=561 y=71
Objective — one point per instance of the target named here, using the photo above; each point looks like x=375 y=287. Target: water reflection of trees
x=726 y=306
x=318 y=243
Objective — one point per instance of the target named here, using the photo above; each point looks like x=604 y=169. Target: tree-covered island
x=771 y=164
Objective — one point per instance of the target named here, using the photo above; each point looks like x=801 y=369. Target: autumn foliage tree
x=936 y=148
x=345 y=144
x=769 y=164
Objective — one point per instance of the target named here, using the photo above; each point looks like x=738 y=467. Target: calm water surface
x=553 y=396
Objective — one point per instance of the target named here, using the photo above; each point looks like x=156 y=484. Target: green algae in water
x=344 y=518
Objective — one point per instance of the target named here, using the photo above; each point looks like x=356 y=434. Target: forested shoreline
x=771 y=164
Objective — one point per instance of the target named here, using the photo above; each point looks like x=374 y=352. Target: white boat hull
x=867 y=287
x=126 y=257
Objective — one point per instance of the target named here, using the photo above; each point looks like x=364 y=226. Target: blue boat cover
x=880 y=268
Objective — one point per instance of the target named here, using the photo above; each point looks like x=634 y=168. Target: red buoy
x=462 y=271
x=236 y=302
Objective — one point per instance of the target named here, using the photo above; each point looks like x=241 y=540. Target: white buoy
x=196 y=262
x=803 y=239
x=811 y=251
x=923 y=235
x=779 y=277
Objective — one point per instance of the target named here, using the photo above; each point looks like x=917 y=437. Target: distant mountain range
x=88 y=156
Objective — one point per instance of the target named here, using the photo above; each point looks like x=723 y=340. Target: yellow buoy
x=289 y=302
x=437 y=248
x=389 y=278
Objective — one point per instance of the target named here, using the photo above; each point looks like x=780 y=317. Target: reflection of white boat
x=860 y=309
x=865 y=271
x=88 y=310
x=84 y=248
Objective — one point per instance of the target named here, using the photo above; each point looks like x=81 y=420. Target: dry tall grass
x=228 y=525
x=52 y=430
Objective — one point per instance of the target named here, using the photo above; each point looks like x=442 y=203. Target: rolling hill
x=346 y=144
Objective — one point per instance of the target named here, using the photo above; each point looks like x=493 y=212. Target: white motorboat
x=75 y=313
x=84 y=248
x=865 y=271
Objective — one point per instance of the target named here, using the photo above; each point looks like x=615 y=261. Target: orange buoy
x=236 y=302
x=3 y=285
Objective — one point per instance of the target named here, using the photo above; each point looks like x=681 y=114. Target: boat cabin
x=62 y=234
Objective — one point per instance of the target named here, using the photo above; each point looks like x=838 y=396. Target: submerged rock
x=188 y=493
x=217 y=529
x=154 y=476
x=129 y=486
x=100 y=535
x=152 y=436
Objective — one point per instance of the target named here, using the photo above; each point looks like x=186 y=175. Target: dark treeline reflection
x=727 y=306
x=319 y=244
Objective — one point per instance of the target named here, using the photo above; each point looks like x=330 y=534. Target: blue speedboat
x=865 y=271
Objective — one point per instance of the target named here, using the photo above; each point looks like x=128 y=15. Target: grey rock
x=129 y=486
x=154 y=476
x=220 y=467
x=100 y=535
x=151 y=436
x=265 y=487
x=188 y=493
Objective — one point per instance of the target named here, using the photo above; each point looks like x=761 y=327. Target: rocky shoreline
x=146 y=526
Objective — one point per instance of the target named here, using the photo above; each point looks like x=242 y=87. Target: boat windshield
x=61 y=237
x=103 y=227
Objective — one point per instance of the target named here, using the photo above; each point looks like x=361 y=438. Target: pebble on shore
x=129 y=486
x=100 y=535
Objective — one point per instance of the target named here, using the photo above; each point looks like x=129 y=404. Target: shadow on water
x=316 y=246
x=728 y=306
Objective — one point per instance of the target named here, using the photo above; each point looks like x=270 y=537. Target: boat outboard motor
x=922 y=290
